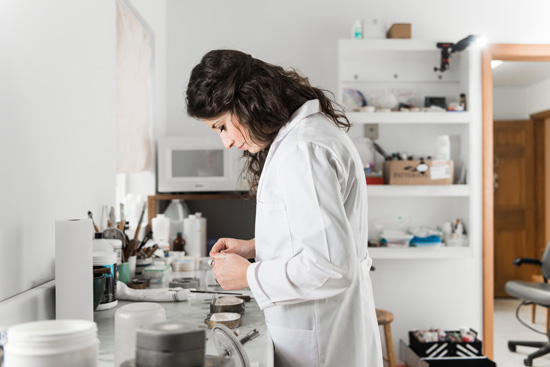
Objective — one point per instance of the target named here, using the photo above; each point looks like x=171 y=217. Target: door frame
x=504 y=52
x=541 y=122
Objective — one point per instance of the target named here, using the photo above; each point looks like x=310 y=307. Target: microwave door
x=191 y=164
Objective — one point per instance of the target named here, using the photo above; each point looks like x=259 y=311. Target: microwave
x=198 y=164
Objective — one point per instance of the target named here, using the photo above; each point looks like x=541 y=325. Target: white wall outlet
x=371 y=131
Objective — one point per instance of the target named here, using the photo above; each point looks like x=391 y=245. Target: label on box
x=440 y=170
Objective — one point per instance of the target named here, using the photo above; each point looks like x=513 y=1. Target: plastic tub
x=159 y=272
x=52 y=343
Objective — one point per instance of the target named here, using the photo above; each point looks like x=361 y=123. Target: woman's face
x=232 y=134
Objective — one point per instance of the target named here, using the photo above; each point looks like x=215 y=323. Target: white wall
x=538 y=99
x=511 y=103
x=57 y=143
x=304 y=33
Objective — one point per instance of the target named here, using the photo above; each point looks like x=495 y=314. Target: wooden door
x=514 y=207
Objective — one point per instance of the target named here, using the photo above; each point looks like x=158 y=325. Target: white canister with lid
x=117 y=247
x=161 y=231
x=107 y=260
x=127 y=320
x=194 y=231
x=52 y=343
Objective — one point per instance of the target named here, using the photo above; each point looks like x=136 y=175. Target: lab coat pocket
x=272 y=232
x=294 y=347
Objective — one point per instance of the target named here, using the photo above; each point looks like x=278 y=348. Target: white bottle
x=357 y=30
x=174 y=211
x=194 y=233
x=161 y=231
x=443 y=148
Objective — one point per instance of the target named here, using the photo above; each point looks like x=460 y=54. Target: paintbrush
x=122 y=223
x=145 y=239
x=152 y=250
x=133 y=243
x=140 y=220
x=92 y=218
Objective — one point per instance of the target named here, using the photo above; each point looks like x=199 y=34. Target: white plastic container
x=107 y=260
x=194 y=233
x=102 y=245
x=357 y=30
x=161 y=231
x=117 y=248
x=443 y=148
x=52 y=343
x=159 y=272
x=176 y=214
x=188 y=263
x=127 y=319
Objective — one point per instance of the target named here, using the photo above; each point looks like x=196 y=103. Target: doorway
x=504 y=52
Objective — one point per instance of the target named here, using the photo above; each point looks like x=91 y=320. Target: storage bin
x=408 y=355
x=445 y=348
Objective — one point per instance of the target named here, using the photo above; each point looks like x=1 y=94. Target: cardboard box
x=399 y=30
x=417 y=172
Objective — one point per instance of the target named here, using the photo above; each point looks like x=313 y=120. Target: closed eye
x=222 y=128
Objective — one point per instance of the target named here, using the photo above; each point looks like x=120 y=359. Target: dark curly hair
x=261 y=96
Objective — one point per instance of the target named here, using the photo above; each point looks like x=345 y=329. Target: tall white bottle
x=175 y=213
x=161 y=231
x=194 y=232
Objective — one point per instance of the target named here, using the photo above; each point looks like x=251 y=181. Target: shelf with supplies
x=418 y=190
x=396 y=84
x=420 y=252
x=409 y=117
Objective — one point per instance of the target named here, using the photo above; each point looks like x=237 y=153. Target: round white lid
x=104 y=258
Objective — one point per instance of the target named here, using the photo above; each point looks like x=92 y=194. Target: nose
x=227 y=142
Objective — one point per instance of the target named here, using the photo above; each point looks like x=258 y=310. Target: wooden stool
x=384 y=319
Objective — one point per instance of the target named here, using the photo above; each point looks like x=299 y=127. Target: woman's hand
x=244 y=248
x=230 y=271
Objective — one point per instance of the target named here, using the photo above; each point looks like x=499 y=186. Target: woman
x=311 y=275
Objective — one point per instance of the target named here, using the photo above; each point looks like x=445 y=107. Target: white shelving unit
x=406 y=68
x=423 y=286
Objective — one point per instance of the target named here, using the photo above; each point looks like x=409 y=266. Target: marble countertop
x=194 y=310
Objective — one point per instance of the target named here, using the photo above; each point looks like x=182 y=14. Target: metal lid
x=174 y=336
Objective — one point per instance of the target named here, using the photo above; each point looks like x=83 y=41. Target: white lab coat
x=311 y=275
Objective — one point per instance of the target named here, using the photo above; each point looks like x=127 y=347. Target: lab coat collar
x=309 y=108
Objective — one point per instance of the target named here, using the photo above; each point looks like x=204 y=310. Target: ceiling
x=520 y=73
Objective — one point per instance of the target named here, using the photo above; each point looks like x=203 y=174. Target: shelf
x=409 y=117
x=420 y=252
x=385 y=44
x=418 y=190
